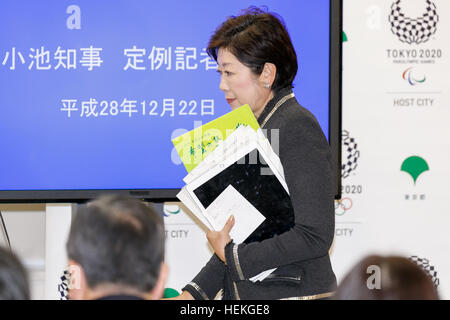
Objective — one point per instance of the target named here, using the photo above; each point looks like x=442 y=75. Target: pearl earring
x=267 y=85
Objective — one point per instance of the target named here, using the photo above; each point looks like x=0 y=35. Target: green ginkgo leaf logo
x=415 y=166
x=170 y=293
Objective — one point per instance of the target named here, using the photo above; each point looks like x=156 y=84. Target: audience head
x=13 y=277
x=116 y=247
x=386 y=278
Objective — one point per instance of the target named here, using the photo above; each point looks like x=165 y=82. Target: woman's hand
x=219 y=239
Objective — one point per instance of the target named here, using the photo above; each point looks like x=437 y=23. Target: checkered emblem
x=63 y=287
x=418 y=30
x=350 y=154
x=425 y=265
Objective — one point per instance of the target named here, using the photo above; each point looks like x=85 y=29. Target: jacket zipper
x=276 y=277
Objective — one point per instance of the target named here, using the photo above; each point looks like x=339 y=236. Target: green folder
x=195 y=145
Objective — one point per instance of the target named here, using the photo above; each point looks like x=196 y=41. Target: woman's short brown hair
x=256 y=37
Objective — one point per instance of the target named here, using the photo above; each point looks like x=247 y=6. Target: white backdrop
x=396 y=105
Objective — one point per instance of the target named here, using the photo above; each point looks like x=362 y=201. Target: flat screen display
x=93 y=92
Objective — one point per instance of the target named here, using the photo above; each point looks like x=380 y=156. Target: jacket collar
x=271 y=104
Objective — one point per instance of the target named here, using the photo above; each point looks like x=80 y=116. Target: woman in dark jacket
x=257 y=64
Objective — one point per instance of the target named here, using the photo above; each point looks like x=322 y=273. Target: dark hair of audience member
x=118 y=240
x=399 y=278
x=13 y=277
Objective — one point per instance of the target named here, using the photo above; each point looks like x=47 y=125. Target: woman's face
x=240 y=85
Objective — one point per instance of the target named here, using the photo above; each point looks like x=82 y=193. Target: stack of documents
x=240 y=175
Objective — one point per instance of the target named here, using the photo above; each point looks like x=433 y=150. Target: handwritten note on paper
x=195 y=145
x=238 y=140
x=231 y=202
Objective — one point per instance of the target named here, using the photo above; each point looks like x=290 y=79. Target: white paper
x=262 y=275
x=230 y=202
x=185 y=197
x=268 y=151
x=243 y=140
x=231 y=159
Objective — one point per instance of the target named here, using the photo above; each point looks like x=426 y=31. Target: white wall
x=25 y=224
